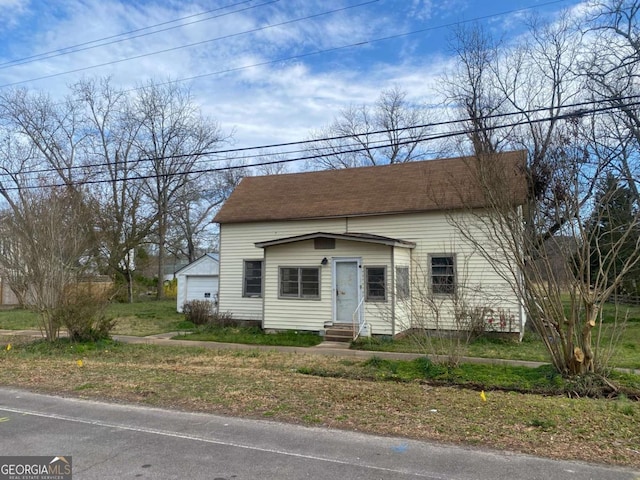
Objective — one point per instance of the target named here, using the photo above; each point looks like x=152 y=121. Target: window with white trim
x=300 y=282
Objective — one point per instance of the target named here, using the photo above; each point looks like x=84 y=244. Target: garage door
x=202 y=287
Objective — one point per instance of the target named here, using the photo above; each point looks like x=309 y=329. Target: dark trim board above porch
x=354 y=237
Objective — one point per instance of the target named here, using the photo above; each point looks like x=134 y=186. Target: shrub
x=82 y=314
x=198 y=312
x=224 y=319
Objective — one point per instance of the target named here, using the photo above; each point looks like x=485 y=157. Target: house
x=198 y=280
x=372 y=247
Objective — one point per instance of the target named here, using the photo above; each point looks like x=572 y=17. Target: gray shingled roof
x=444 y=184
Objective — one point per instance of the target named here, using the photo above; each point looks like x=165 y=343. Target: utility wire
x=284 y=59
x=439 y=136
x=578 y=107
x=113 y=39
x=195 y=44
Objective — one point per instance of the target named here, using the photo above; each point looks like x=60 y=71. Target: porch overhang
x=352 y=237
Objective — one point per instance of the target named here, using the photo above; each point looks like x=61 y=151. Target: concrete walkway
x=336 y=349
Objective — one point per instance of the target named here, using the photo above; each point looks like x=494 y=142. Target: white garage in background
x=198 y=280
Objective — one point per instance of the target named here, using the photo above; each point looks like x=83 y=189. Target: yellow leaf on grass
x=483 y=396
x=8 y=347
x=80 y=363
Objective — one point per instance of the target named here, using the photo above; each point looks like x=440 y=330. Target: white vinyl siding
x=237 y=243
x=291 y=313
x=432 y=232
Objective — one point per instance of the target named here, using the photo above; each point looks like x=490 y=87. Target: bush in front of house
x=198 y=312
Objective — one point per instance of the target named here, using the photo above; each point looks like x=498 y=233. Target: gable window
x=443 y=274
x=252 y=278
x=376 y=284
x=300 y=282
x=402 y=283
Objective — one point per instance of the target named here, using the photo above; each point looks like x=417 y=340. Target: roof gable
x=207 y=257
x=443 y=184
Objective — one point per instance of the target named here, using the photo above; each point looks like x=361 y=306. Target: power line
x=189 y=45
x=88 y=45
x=112 y=39
x=578 y=106
x=284 y=59
x=439 y=136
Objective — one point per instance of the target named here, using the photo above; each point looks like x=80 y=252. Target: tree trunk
x=162 y=233
x=129 y=285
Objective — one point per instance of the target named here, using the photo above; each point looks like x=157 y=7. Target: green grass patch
x=378 y=396
x=542 y=380
x=253 y=336
x=18 y=319
x=626 y=351
x=138 y=319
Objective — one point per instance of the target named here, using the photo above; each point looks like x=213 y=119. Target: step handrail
x=358 y=331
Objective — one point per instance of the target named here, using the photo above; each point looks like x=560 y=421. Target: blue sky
x=334 y=52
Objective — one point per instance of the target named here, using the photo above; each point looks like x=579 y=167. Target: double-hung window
x=252 y=278
x=443 y=274
x=376 y=284
x=300 y=282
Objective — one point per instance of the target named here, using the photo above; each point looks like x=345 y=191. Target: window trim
x=455 y=274
x=404 y=293
x=300 y=295
x=244 y=278
x=367 y=297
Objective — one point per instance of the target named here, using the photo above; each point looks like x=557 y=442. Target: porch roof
x=354 y=237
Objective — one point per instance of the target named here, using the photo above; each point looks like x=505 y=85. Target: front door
x=346 y=290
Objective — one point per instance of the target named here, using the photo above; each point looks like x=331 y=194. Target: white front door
x=347 y=290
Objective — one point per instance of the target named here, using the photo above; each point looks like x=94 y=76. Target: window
x=443 y=274
x=252 y=278
x=299 y=282
x=376 y=283
x=402 y=283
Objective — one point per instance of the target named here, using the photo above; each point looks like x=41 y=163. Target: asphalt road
x=114 y=441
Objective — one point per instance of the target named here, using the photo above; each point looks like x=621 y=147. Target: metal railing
x=357 y=318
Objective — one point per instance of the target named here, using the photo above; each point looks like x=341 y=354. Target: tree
x=49 y=248
x=567 y=157
x=172 y=139
x=611 y=242
x=124 y=221
x=393 y=131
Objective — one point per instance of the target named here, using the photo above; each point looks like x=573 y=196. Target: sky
x=267 y=71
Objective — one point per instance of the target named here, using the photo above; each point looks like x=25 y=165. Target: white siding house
x=367 y=246
x=198 y=280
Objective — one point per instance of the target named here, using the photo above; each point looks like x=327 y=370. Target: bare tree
x=49 y=246
x=568 y=156
x=172 y=139
x=124 y=221
x=393 y=131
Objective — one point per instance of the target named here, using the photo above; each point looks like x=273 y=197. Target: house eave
x=353 y=237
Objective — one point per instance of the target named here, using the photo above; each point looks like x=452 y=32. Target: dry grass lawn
x=268 y=385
